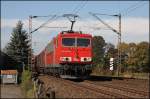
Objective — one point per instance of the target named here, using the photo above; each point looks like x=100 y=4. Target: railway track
x=101 y=92
x=133 y=81
x=131 y=84
x=130 y=92
x=97 y=90
x=76 y=86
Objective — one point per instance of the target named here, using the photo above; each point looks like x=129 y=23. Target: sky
x=134 y=21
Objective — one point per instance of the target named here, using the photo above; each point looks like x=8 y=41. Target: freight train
x=68 y=55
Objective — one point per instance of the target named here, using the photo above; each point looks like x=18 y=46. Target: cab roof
x=72 y=34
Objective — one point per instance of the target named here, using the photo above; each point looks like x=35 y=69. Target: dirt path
x=11 y=91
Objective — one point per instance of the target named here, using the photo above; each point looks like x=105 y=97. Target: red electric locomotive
x=69 y=54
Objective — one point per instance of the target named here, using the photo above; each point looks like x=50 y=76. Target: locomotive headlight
x=65 y=59
x=89 y=59
x=86 y=59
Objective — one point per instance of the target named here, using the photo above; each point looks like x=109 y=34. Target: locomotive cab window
x=68 y=41
x=83 y=42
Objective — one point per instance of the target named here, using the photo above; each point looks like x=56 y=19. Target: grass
x=98 y=72
x=27 y=85
x=137 y=75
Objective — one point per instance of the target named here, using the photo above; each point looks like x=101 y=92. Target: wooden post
x=52 y=94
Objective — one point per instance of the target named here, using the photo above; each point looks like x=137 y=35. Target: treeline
x=134 y=56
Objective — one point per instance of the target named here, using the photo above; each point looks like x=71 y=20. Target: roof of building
x=8 y=72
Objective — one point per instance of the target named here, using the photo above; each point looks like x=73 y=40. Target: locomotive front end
x=76 y=49
x=75 y=53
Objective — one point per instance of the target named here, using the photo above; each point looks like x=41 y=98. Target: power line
x=53 y=27
x=125 y=10
x=44 y=23
x=76 y=8
x=110 y=15
x=133 y=7
x=96 y=28
x=79 y=7
x=93 y=14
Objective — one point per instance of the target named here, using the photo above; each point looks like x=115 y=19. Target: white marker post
x=111 y=63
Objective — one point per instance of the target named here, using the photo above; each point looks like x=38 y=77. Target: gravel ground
x=64 y=90
x=11 y=91
x=142 y=85
x=136 y=84
x=114 y=90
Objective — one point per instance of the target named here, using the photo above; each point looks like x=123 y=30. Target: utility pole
x=30 y=36
x=119 y=47
x=30 y=39
x=117 y=32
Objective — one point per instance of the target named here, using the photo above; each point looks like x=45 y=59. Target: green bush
x=27 y=84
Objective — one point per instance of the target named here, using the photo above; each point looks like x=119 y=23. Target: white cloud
x=135 y=26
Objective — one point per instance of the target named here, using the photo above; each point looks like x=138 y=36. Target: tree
x=142 y=54
x=131 y=61
x=135 y=56
x=124 y=55
x=98 y=50
x=110 y=52
x=18 y=46
x=7 y=62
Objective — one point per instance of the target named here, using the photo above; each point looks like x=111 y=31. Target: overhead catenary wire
x=105 y=14
x=133 y=7
x=93 y=14
x=53 y=27
x=42 y=16
x=78 y=8
x=54 y=16
x=75 y=8
x=50 y=20
x=97 y=28
x=109 y=15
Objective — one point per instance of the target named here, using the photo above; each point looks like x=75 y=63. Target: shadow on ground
x=103 y=78
x=97 y=78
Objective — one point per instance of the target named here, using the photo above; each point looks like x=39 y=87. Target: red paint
x=46 y=58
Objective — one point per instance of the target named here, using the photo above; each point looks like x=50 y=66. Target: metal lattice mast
x=119 y=43
x=30 y=43
x=30 y=52
x=117 y=32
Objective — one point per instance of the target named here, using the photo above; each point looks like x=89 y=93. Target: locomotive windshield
x=83 y=42
x=80 y=42
x=68 y=41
